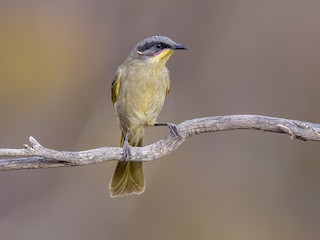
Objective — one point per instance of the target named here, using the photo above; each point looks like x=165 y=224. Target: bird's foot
x=126 y=153
x=174 y=129
x=126 y=148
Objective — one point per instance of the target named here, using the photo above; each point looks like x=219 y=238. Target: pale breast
x=142 y=95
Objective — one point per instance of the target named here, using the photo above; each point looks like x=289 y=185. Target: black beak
x=179 y=47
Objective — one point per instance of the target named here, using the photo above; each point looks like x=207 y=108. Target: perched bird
x=139 y=89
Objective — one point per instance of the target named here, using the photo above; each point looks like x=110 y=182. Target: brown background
x=57 y=60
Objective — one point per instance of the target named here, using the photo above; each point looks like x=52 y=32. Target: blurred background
x=57 y=60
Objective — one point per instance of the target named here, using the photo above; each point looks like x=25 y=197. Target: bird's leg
x=173 y=128
x=126 y=147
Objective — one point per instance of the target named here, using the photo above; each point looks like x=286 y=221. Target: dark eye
x=159 y=45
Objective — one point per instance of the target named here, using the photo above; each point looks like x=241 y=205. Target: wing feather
x=115 y=88
x=168 y=88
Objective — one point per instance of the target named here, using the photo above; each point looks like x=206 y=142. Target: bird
x=139 y=89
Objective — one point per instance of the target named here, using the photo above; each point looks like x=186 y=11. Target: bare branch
x=37 y=156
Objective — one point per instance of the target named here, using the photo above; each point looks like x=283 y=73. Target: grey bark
x=37 y=156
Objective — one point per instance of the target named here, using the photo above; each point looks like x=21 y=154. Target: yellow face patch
x=164 y=55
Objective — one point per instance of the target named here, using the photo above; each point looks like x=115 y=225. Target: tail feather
x=128 y=178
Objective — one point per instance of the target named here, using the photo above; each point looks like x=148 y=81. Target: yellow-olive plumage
x=139 y=89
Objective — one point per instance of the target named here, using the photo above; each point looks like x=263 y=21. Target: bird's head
x=156 y=49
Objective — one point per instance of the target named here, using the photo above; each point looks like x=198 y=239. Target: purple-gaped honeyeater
x=139 y=89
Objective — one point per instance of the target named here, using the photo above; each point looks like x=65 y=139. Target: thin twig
x=37 y=156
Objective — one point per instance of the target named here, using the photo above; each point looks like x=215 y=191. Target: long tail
x=128 y=178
